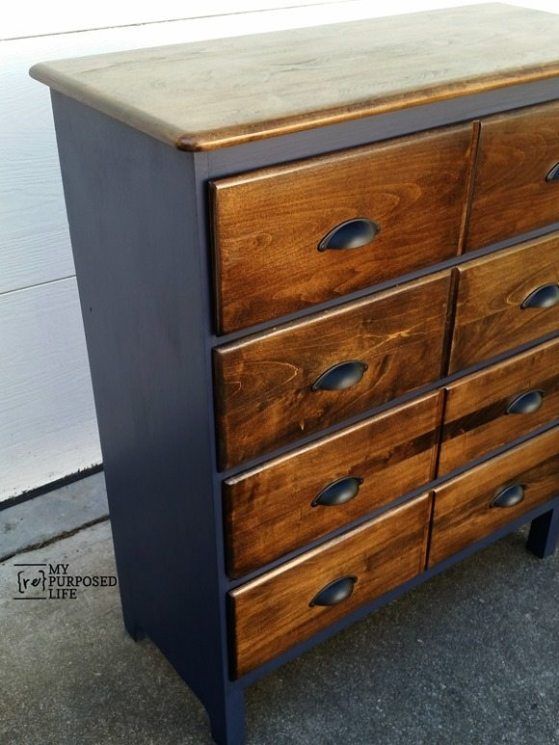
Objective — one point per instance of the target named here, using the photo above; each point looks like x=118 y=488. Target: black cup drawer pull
x=338 y=492
x=509 y=496
x=525 y=403
x=350 y=234
x=335 y=592
x=340 y=376
x=553 y=174
x=545 y=296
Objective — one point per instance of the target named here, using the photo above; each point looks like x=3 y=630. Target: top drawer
x=270 y=226
x=514 y=189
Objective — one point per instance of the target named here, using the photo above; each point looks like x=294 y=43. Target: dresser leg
x=227 y=719
x=544 y=534
x=130 y=624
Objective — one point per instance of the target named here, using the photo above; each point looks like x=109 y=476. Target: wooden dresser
x=319 y=276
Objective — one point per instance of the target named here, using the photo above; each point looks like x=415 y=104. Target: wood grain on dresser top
x=476 y=419
x=274 y=611
x=269 y=511
x=489 y=316
x=463 y=511
x=511 y=196
x=263 y=384
x=212 y=94
x=268 y=224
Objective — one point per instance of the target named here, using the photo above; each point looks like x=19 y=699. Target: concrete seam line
x=54 y=539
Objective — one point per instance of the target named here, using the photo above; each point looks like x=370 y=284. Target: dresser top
x=212 y=94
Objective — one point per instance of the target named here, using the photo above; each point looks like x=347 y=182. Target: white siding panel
x=34 y=241
x=35 y=17
x=47 y=419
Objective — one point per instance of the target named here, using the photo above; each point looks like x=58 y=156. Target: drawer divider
x=472 y=175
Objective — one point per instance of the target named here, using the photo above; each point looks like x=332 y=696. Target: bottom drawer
x=487 y=497
x=291 y=603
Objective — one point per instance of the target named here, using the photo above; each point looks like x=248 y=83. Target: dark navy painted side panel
x=134 y=228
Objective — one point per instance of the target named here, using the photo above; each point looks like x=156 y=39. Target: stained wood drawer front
x=268 y=225
x=271 y=388
x=506 y=300
x=488 y=409
x=276 y=611
x=288 y=502
x=466 y=509
x=512 y=194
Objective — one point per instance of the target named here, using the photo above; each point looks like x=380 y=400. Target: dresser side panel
x=132 y=209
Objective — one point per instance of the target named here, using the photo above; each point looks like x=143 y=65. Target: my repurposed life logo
x=55 y=582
